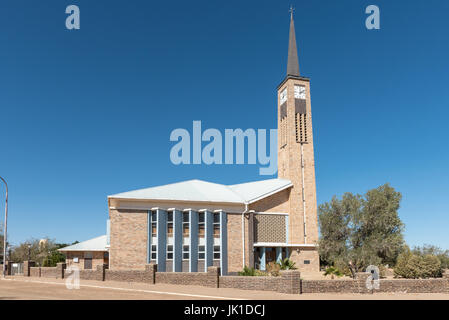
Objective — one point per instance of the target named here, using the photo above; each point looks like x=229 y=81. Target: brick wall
x=97 y=274
x=26 y=267
x=49 y=272
x=147 y=275
x=35 y=271
x=129 y=236
x=206 y=279
x=414 y=285
x=288 y=282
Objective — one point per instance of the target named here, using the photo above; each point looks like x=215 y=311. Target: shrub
x=382 y=271
x=273 y=268
x=332 y=271
x=343 y=268
x=414 y=266
x=251 y=272
x=247 y=271
x=287 y=264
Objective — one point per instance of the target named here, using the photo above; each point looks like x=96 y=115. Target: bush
x=273 y=269
x=343 y=268
x=251 y=272
x=287 y=264
x=332 y=271
x=414 y=266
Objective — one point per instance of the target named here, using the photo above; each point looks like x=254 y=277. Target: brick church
x=190 y=225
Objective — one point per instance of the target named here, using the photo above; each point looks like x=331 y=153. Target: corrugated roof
x=203 y=191
x=95 y=244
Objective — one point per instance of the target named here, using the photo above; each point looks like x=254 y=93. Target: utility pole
x=5 y=228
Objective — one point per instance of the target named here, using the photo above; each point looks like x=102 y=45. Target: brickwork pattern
x=206 y=279
x=129 y=236
x=287 y=282
x=146 y=276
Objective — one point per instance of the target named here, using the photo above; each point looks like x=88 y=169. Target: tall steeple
x=292 y=63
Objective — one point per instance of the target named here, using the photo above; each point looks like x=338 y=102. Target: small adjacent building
x=87 y=254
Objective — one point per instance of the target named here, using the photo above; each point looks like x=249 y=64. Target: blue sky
x=88 y=113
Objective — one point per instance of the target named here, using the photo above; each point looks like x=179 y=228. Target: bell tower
x=296 y=157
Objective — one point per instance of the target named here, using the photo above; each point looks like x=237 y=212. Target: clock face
x=283 y=96
x=300 y=92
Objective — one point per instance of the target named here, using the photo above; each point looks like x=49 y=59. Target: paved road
x=44 y=288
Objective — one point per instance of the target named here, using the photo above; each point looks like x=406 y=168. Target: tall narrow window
x=169 y=224
x=169 y=252
x=216 y=225
x=169 y=244
x=216 y=252
x=201 y=236
x=185 y=225
x=153 y=251
x=185 y=252
x=201 y=225
x=185 y=235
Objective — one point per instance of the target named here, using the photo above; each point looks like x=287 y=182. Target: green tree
x=43 y=252
x=357 y=231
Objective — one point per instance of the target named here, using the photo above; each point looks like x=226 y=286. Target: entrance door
x=88 y=260
x=270 y=255
x=87 y=263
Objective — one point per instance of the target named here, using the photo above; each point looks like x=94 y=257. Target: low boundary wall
x=288 y=281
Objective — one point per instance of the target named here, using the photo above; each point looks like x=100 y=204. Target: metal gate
x=17 y=269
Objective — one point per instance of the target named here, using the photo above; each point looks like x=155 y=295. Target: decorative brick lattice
x=269 y=228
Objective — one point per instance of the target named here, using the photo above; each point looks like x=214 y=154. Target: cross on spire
x=291 y=10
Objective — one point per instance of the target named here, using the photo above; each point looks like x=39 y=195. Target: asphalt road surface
x=13 y=288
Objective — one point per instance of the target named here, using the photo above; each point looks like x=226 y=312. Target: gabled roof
x=95 y=244
x=203 y=191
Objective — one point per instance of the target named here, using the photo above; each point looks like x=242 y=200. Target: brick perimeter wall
x=35 y=272
x=415 y=285
x=206 y=279
x=287 y=282
x=49 y=272
x=146 y=276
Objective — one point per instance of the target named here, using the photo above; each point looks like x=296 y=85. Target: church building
x=190 y=225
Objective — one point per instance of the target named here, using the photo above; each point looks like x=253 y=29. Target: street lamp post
x=5 y=228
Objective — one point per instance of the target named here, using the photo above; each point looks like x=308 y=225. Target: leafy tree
x=43 y=252
x=357 y=231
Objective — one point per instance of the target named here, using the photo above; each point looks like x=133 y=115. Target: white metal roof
x=95 y=244
x=203 y=191
x=253 y=191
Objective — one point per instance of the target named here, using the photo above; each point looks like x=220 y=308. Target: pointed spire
x=292 y=63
